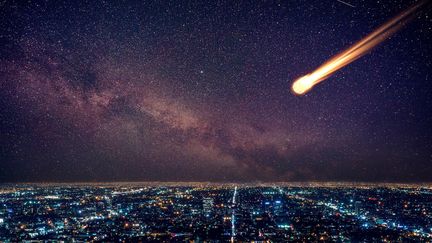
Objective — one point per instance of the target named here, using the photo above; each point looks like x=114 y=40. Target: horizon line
x=264 y=183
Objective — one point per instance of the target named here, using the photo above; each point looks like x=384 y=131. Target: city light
x=189 y=213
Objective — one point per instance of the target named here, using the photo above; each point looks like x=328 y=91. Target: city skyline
x=106 y=91
x=223 y=213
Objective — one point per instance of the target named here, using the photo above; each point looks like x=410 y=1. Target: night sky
x=195 y=91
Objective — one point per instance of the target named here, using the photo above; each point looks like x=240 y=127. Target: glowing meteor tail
x=305 y=83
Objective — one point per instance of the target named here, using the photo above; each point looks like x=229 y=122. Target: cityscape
x=211 y=212
x=215 y=121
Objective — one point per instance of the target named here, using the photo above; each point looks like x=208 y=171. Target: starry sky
x=200 y=91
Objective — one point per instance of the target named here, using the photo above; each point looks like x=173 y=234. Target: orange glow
x=305 y=83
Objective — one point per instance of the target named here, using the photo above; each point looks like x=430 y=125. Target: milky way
x=196 y=92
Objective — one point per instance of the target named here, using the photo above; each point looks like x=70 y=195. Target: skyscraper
x=207 y=206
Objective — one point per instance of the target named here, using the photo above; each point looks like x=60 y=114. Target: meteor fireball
x=305 y=83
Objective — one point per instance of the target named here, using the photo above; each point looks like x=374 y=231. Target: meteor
x=305 y=83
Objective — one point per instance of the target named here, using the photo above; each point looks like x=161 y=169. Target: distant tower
x=357 y=207
x=207 y=206
x=278 y=207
